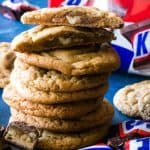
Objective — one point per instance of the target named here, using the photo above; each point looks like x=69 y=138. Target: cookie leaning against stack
x=61 y=74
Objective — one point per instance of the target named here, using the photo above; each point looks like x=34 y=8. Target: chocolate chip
x=115 y=142
x=2 y=129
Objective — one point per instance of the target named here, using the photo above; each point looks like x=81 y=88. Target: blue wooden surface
x=9 y=29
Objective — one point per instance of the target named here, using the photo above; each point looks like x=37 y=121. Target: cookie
x=4 y=78
x=50 y=80
x=126 y=99
x=76 y=61
x=7 y=57
x=23 y=136
x=144 y=102
x=98 y=117
x=63 y=111
x=73 y=16
x=58 y=141
x=43 y=38
x=34 y=138
x=47 y=97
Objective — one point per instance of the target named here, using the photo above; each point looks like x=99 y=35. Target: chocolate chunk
x=2 y=129
x=3 y=144
x=118 y=142
x=18 y=133
x=142 y=62
x=115 y=143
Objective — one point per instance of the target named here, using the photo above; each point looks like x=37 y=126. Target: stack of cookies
x=61 y=74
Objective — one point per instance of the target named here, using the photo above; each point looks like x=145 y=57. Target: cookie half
x=76 y=61
x=62 y=111
x=73 y=16
x=50 y=80
x=98 y=117
x=43 y=38
x=7 y=57
x=126 y=99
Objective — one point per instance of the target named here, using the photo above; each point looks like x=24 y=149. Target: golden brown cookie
x=20 y=135
x=126 y=99
x=63 y=111
x=43 y=38
x=30 y=137
x=50 y=80
x=7 y=57
x=76 y=61
x=73 y=16
x=144 y=102
x=4 y=78
x=58 y=141
x=47 y=97
x=93 y=119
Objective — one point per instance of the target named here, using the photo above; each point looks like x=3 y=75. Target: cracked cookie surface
x=7 y=57
x=144 y=102
x=73 y=16
x=76 y=61
x=126 y=99
x=45 y=38
x=47 y=97
x=62 y=111
x=50 y=140
x=101 y=115
x=50 y=80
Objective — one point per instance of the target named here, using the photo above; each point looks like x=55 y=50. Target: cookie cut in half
x=73 y=16
x=44 y=38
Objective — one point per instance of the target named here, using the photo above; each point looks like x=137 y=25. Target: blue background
x=9 y=29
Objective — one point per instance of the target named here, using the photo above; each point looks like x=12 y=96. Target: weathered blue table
x=9 y=29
